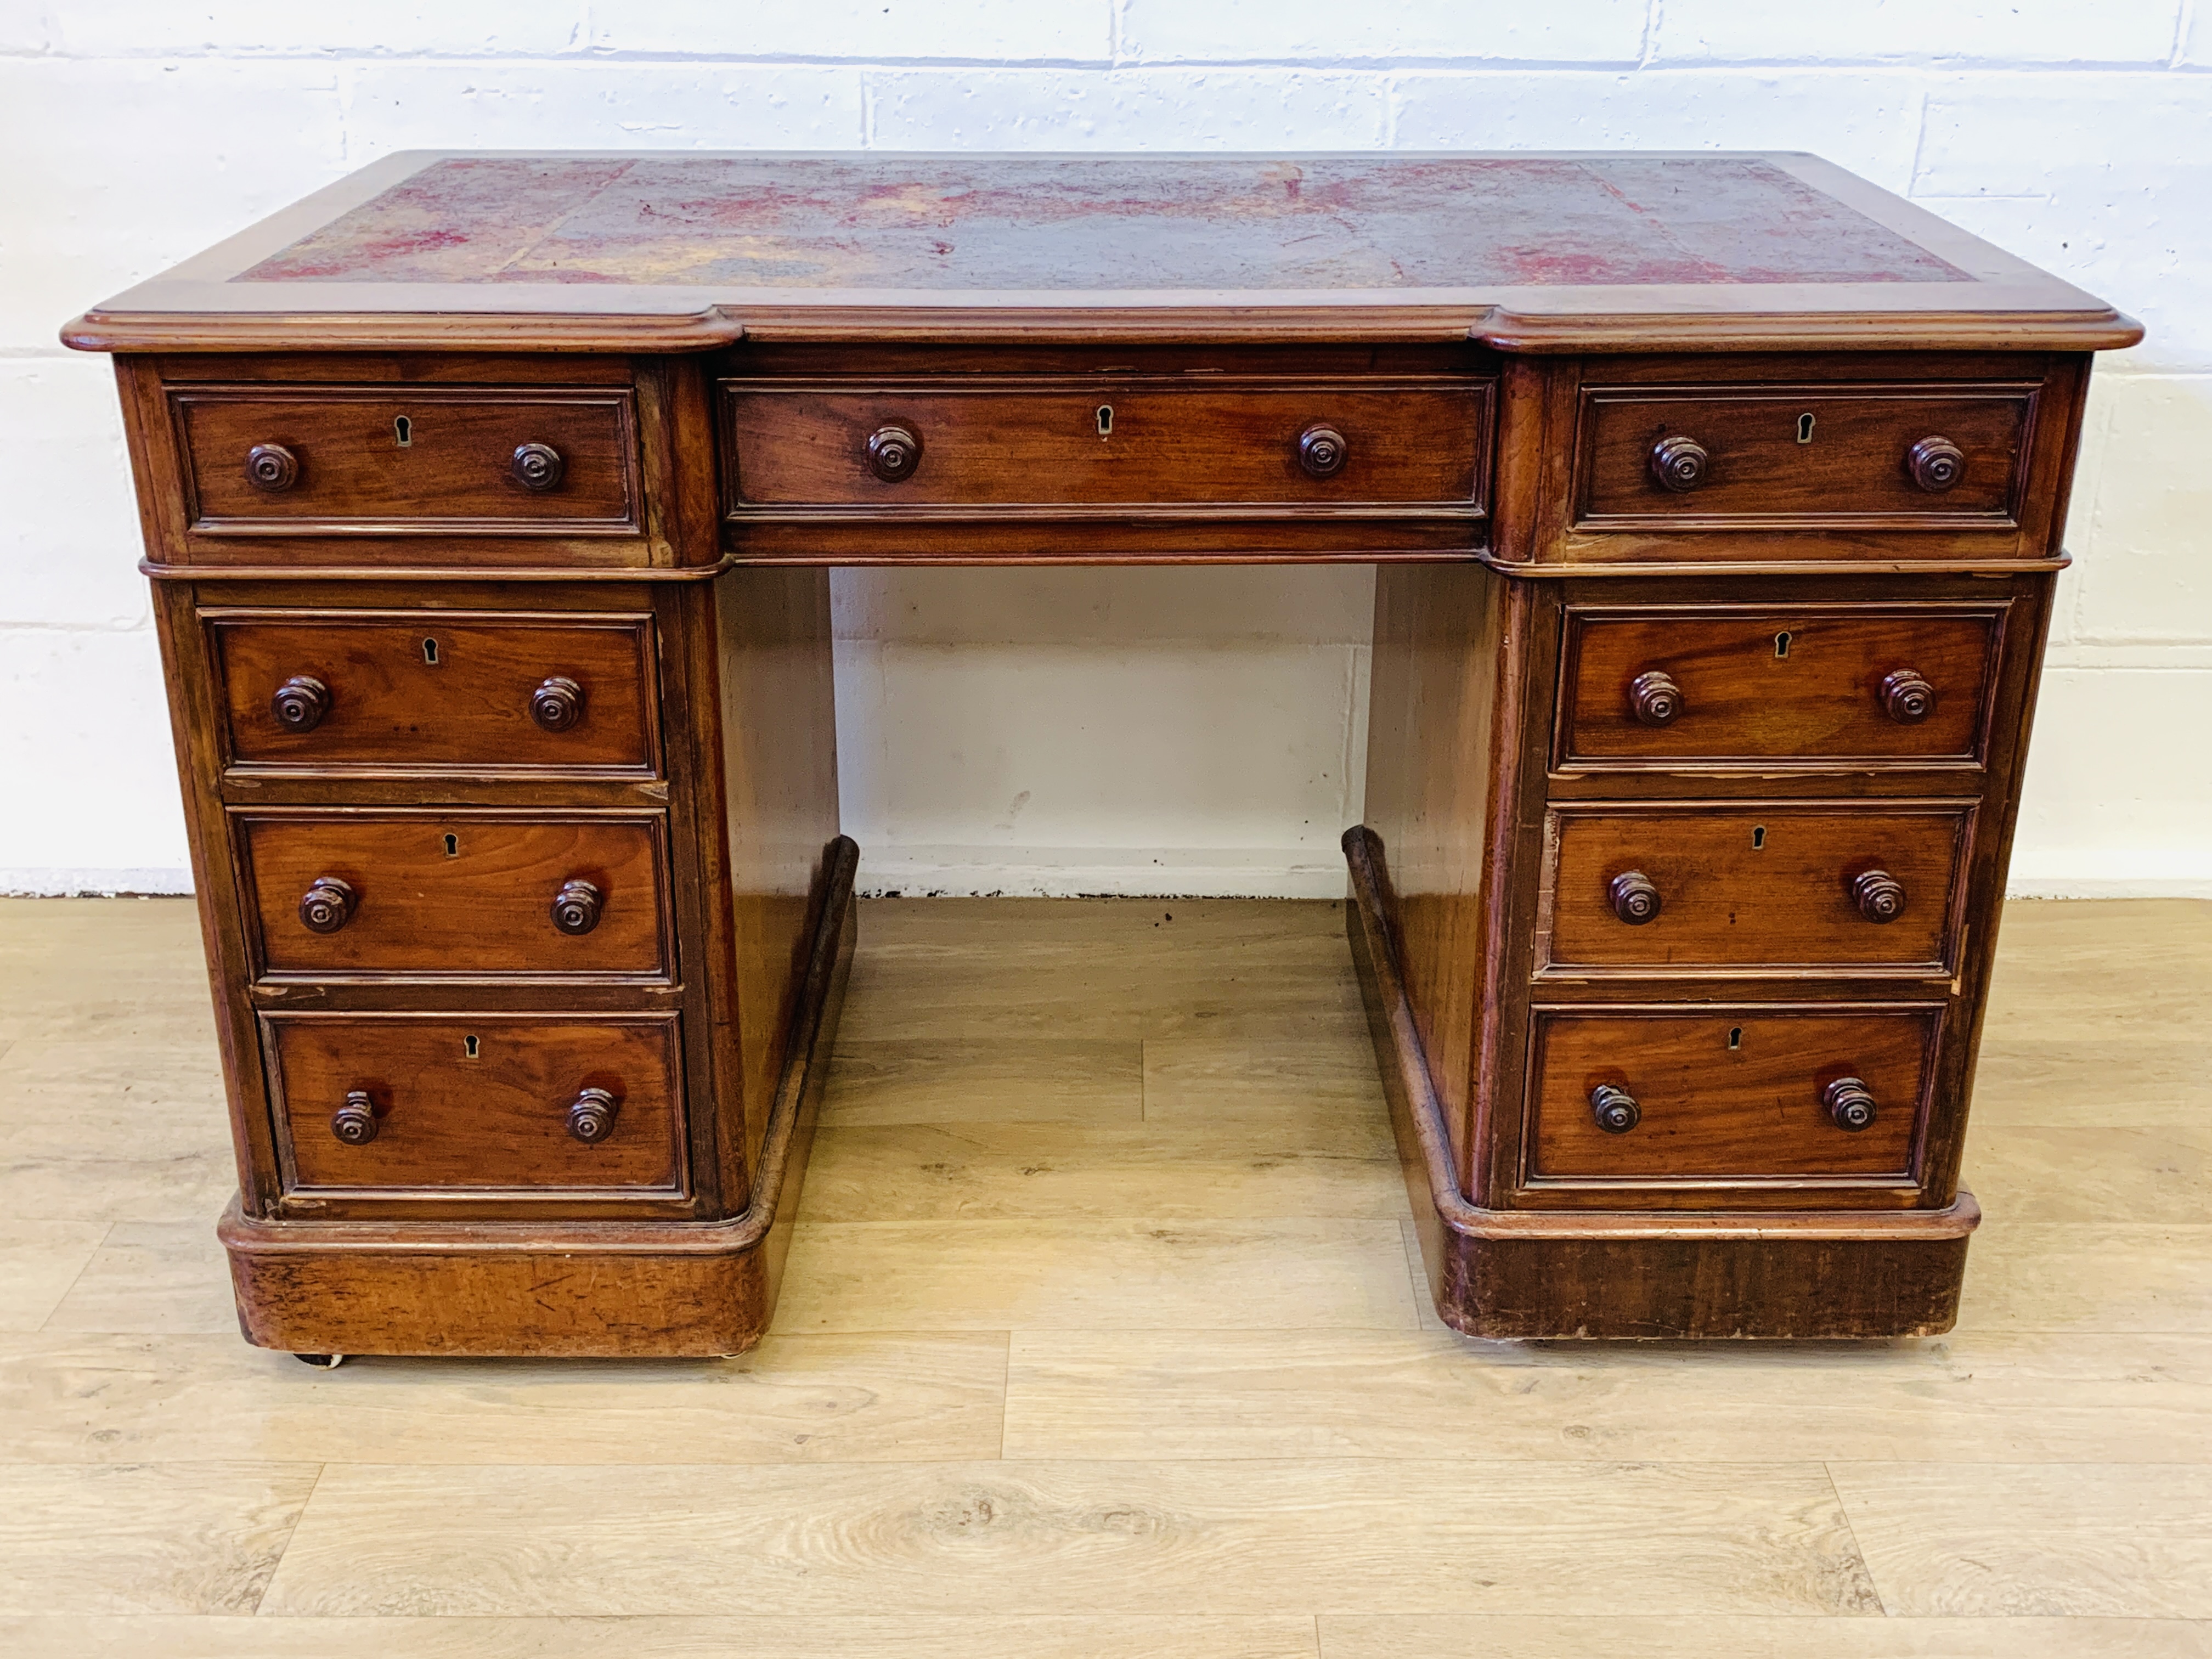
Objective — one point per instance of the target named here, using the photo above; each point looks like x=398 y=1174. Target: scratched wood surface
x=1106 y=1342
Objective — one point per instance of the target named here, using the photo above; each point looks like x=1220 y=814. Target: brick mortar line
x=1377 y=64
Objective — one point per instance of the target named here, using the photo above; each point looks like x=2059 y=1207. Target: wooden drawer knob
x=536 y=466
x=576 y=907
x=1906 y=698
x=1935 y=464
x=894 y=451
x=557 y=703
x=354 y=1122
x=1850 y=1103
x=1879 y=895
x=327 y=905
x=301 y=703
x=1615 y=1110
x=591 y=1117
x=1635 y=900
x=1654 y=699
x=1678 y=464
x=1322 y=451
x=272 y=467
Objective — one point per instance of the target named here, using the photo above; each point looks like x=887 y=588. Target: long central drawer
x=1130 y=456
x=1078 y=444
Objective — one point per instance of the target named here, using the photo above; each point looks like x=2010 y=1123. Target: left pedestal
x=514 y=821
x=528 y=920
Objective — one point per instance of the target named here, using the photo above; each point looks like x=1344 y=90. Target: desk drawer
x=1654 y=889
x=1728 y=1098
x=1801 y=688
x=1717 y=457
x=1098 y=449
x=476 y=1104
x=387 y=460
x=376 y=894
x=430 y=692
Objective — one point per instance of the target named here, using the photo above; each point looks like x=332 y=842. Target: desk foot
x=673 y=1289
x=1643 y=1274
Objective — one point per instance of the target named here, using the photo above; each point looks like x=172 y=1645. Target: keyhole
x=1757 y=836
x=1782 y=644
x=430 y=652
x=1804 y=429
x=1105 y=419
x=452 y=847
x=402 y=432
x=1735 y=1036
x=469 y=1048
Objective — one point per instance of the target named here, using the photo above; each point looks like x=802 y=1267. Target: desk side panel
x=1436 y=731
x=774 y=711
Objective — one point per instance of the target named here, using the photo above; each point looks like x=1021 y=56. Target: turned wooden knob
x=354 y=1122
x=327 y=906
x=301 y=703
x=1635 y=900
x=557 y=703
x=1678 y=464
x=1615 y=1110
x=272 y=467
x=591 y=1117
x=536 y=466
x=1850 y=1103
x=1935 y=464
x=1906 y=698
x=1879 y=895
x=1654 y=699
x=894 y=451
x=1322 y=451
x=576 y=907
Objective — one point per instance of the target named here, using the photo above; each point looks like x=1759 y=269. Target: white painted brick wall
x=1136 y=731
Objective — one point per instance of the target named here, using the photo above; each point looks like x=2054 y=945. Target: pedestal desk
x=489 y=502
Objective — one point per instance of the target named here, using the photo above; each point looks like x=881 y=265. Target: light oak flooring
x=1102 y=1337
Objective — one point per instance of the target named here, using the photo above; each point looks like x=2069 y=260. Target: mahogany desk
x=488 y=500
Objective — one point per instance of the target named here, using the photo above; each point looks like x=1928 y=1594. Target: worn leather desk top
x=1527 y=251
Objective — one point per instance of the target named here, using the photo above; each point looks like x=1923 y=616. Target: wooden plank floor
x=1101 y=1338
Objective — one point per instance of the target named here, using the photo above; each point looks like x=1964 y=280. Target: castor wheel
x=321 y=1362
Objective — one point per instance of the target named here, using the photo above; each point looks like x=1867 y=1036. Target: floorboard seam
x=277 y=1566
x=1006 y=1394
x=1852 y=1533
x=62 y=1301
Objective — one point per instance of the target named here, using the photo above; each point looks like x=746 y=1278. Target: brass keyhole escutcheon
x=1804 y=429
x=402 y=432
x=1105 y=419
